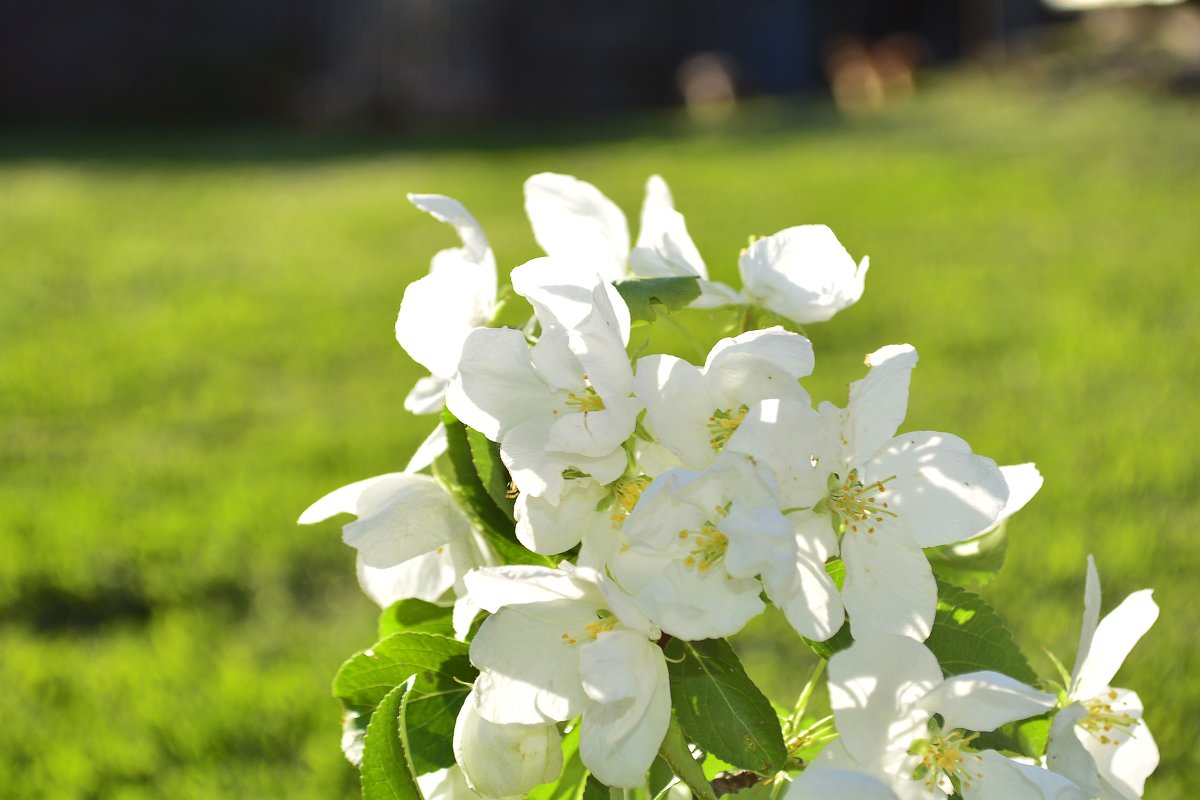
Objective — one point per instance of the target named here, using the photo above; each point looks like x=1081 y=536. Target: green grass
x=197 y=342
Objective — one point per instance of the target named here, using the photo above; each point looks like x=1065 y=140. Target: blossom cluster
x=582 y=529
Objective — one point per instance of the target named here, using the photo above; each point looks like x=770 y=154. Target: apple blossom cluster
x=562 y=561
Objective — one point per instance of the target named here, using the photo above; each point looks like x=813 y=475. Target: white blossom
x=566 y=642
x=1099 y=739
x=411 y=538
x=694 y=410
x=564 y=405
x=693 y=547
x=885 y=692
x=844 y=473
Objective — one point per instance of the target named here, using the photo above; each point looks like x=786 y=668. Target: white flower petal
x=519 y=584
x=528 y=673
x=692 y=605
x=402 y=518
x=427 y=396
x=1091 y=617
x=800 y=445
x=1115 y=636
x=823 y=783
x=983 y=701
x=505 y=760
x=574 y=221
x=678 y=405
x=619 y=741
x=943 y=491
x=1130 y=755
x=437 y=313
x=343 y=500
x=760 y=365
x=427 y=452
x=879 y=402
x=889 y=586
x=1000 y=778
x=806 y=594
x=548 y=529
x=448 y=210
x=1024 y=482
x=802 y=273
x=426 y=577
x=497 y=387
x=664 y=247
x=875 y=686
x=446 y=784
x=1065 y=753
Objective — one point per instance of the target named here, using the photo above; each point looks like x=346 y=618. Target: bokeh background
x=204 y=240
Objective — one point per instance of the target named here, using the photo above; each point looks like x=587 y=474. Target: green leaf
x=720 y=708
x=645 y=295
x=468 y=490
x=432 y=710
x=415 y=615
x=570 y=783
x=968 y=636
x=595 y=790
x=675 y=752
x=386 y=772
x=493 y=475
x=369 y=676
x=971 y=563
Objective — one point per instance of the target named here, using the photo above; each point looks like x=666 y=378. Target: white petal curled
x=448 y=210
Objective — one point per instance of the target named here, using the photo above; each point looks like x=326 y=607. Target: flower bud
x=505 y=760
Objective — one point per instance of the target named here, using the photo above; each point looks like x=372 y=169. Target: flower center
x=946 y=756
x=709 y=547
x=723 y=423
x=1101 y=718
x=585 y=401
x=855 y=504
x=627 y=492
x=605 y=621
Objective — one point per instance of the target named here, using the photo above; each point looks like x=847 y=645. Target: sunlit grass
x=198 y=342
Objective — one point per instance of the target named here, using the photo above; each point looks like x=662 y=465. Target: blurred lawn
x=197 y=342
